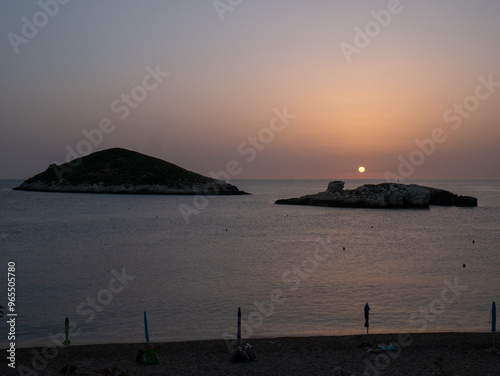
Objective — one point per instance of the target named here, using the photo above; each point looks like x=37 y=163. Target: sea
x=190 y=262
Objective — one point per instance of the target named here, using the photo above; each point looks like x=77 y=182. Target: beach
x=414 y=354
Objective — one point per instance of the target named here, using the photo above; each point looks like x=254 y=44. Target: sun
x=361 y=169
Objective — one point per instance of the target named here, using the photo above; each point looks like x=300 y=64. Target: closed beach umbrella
x=146 y=328
x=66 y=341
x=148 y=354
x=493 y=318
x=367 y=315
x=367 y=319
x=493 y=321
x=238 y=334
x=66 y=332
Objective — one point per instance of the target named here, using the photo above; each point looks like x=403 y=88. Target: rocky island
x=120 y=170
x=384 y=195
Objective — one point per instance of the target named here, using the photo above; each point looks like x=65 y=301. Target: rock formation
x=385 y=195
x=123 y=171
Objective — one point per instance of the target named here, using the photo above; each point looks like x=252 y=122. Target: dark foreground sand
x=416 y=354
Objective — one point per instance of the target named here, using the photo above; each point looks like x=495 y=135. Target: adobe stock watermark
x=55 y=344
x=435 y=308
x=223 y=6
x=421 y=319
x=121 y=106
x=372 y=29
x=294 y=277
x=104 y=297
x=248 y=148
x=31 y=26
x=455 y=115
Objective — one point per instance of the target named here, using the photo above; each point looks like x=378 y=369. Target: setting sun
x=361 y=169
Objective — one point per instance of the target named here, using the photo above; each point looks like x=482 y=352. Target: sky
x=255 y=89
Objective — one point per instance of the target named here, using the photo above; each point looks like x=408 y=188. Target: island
x=120 y=170
x=384 y=195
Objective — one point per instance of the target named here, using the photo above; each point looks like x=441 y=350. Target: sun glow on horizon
x=361 y=169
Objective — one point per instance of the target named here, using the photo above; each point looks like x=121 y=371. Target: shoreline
x=459 y=353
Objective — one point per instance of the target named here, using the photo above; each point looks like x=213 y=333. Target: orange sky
x=228 y=74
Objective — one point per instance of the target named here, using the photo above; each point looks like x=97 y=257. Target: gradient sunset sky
x=364 y=83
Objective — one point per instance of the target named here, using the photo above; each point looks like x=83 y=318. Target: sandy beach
x=414 y=354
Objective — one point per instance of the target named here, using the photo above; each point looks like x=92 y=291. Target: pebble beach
x=414 y=354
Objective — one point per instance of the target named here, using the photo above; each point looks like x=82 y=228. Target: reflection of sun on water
x=361 y=169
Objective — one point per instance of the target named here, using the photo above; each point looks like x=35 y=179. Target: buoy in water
x=463 y=265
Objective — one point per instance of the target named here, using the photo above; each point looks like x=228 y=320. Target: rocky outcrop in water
x=385 y=195
x=123 y=171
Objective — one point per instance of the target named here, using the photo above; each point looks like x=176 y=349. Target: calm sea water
x=293 y=270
